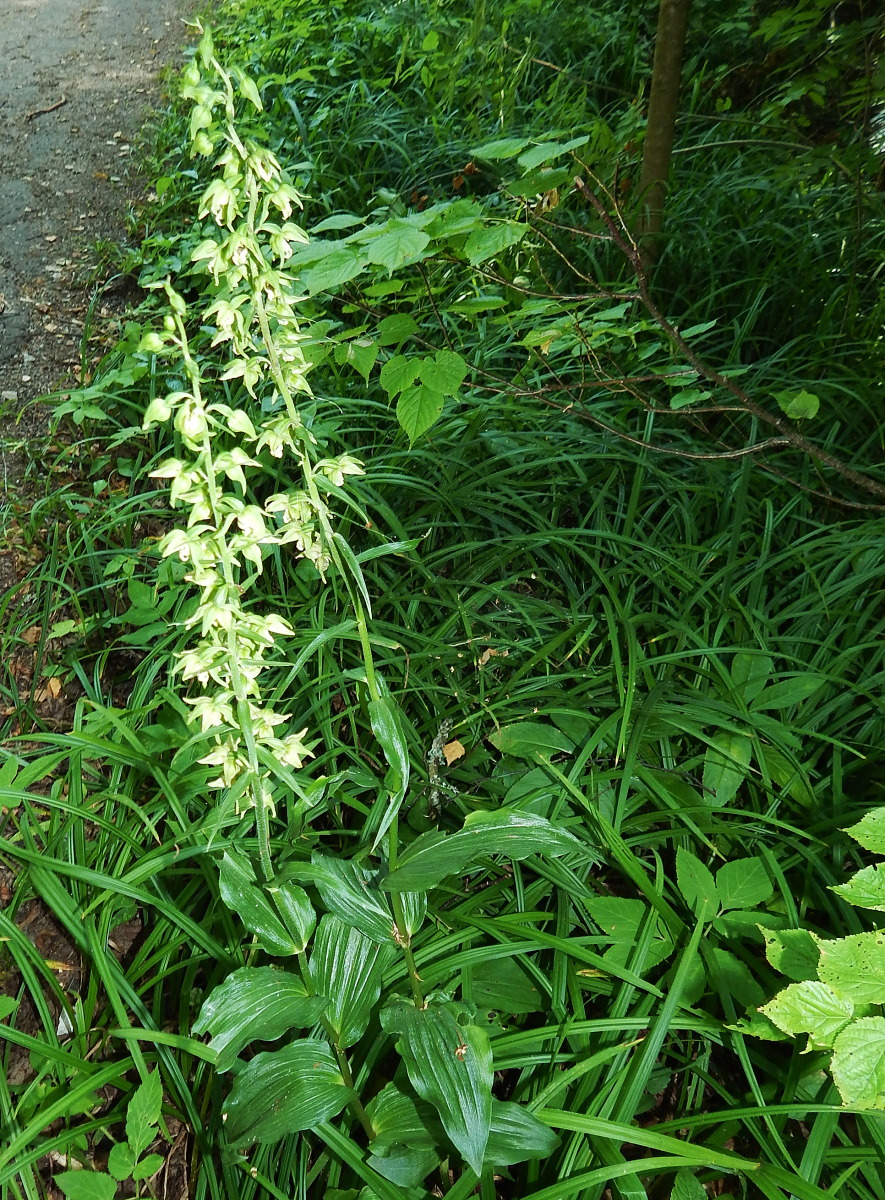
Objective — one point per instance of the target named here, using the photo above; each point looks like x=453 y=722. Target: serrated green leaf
x=338 y=221
x=687 y=1187
x=536 y=155
x=335 y=269
x=444 y=372
x=618 y=917
x=360 y=353
x=810 y=1007
x=255 y=1004
x=798 y=405
x=346 y=968
x=121 y=1161
x=500 y=148
x=86 y=1185
x=870 y=831
x=400 y=243
x=147 y=1166
x=859 y=1063
x=696 y=883
x=743 y=883
x=143 y=1113
x=734 y=976
x=788 y=692
x=854 y=966
x=725 y=766
x=242 y=896
x=866 y=889
x=398 y=373
x=485 y=243
x=750 y=672
x=395 y=329
x=433 y=856
x=532 y=740
x=418 y=409
x=285 y=1092
x=449 y=1065
x=793 y=952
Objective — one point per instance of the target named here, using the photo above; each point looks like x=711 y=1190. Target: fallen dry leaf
x=452 y=751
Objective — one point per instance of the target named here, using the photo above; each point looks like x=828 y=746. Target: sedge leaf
x=346 y=968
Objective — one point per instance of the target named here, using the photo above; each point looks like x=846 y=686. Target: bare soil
x=79 y=79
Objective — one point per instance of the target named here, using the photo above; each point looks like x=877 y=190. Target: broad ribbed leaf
x=241 y=895
x=516 y=1135
x=346 y=968
x=255 y=1004
x=450 y=1066
x=502 y=985
x=351 y=892
x=296 y=912
x=285 y=1092
x=433 y=856
x=408 y=1133
x=387 y=727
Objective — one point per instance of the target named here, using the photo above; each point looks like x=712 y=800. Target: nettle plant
x=354 y=988
x=838 y=992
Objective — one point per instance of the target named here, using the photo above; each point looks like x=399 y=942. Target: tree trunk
x=662 y=109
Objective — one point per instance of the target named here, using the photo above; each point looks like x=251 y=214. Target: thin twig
x=38 y=112
x=788 y=435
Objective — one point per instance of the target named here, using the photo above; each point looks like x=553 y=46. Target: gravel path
x=78 y=81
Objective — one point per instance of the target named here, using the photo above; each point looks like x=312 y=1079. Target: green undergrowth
x=584 y=695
